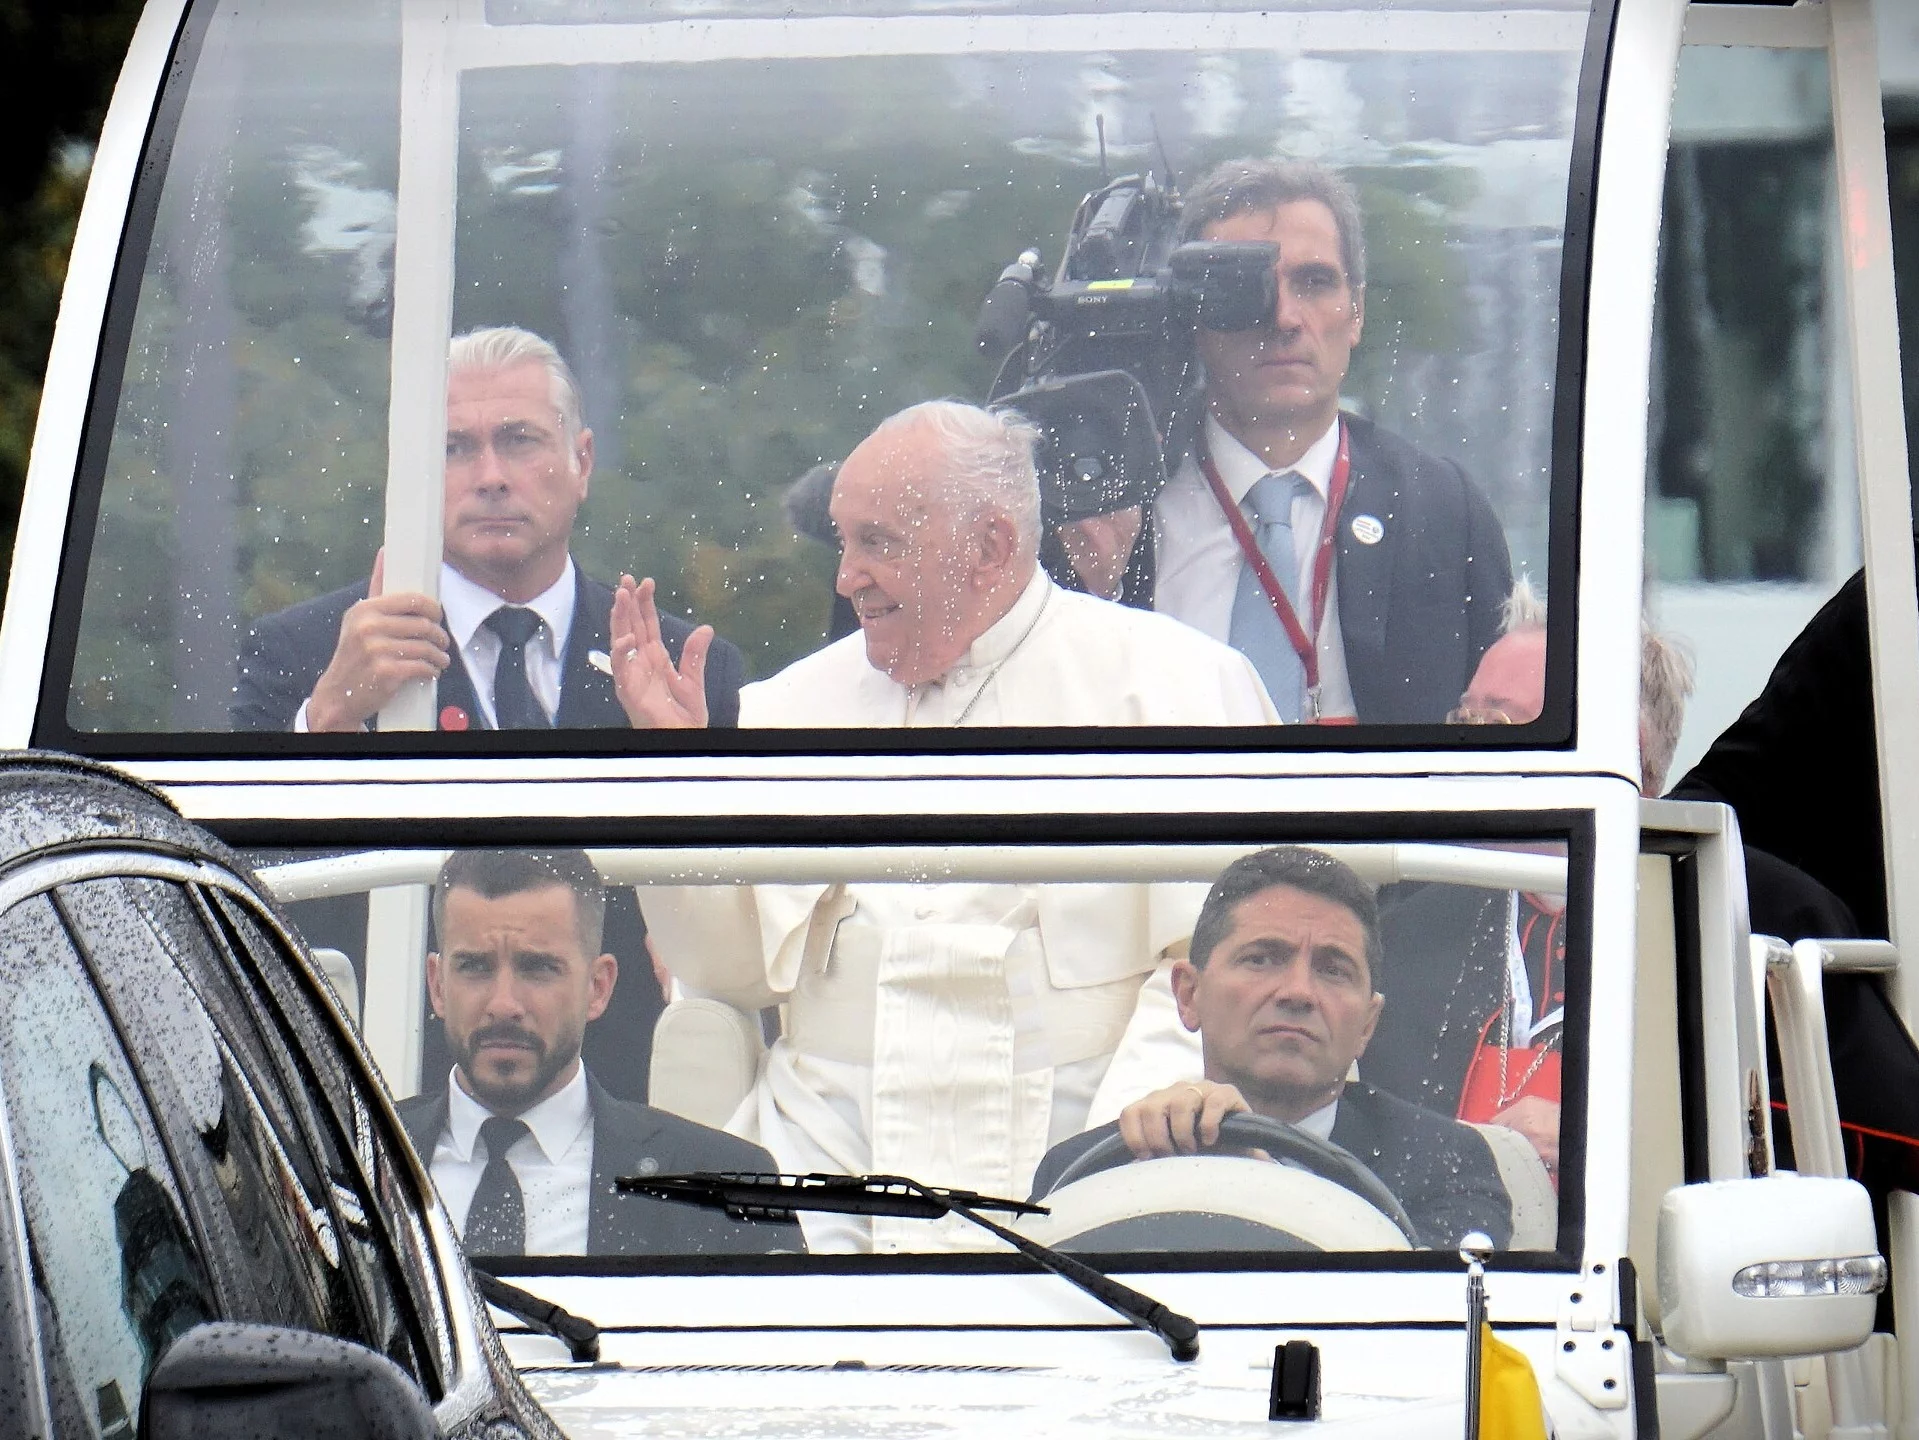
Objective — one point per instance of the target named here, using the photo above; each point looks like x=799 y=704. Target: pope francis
x=948 y=1032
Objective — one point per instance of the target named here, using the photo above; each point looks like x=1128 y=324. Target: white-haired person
x=938 y=513
x=510 y=639
x=951 y=1032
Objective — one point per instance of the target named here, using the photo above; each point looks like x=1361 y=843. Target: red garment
x=1502 y=1071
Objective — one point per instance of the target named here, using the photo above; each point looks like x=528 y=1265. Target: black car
x=210 y=1220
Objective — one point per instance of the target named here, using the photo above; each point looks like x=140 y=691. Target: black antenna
x=1165 y=161
x=1099 y=124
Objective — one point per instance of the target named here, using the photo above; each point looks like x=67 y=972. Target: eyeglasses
x=1468 y=715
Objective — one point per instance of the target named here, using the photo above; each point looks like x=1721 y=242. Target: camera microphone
x=1008 y=307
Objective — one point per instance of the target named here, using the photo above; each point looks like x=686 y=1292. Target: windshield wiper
x=779 y=1197
x=580 y=1336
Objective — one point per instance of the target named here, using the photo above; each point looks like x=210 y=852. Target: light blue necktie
x=1256 y=632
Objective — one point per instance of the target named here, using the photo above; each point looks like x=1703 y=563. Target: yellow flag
x=1509 y=1405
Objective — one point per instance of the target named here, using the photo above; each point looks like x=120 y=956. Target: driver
x=1279 y=986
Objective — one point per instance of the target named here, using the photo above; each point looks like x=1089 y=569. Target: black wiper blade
x=778 y=1197
x=580 y=1336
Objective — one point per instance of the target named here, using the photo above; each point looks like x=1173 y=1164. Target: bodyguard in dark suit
x=1279 y=985
x=511 y=640
x=287 y=652
x=633 y=1139
x=523 y=1144
x=1421 y=562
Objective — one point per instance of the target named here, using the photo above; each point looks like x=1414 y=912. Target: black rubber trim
x=1288 y=1326
x=1645 y=1392
x=1105 y=828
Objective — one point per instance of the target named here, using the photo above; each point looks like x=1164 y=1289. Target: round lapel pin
x=454 y=718
x=1367 y=530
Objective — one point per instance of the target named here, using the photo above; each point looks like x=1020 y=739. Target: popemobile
x=994 y=778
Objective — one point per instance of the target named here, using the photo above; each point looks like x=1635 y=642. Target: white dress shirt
x=553 y=1162
x=1198 y=561
x=466 y=605
x=1322 y=1120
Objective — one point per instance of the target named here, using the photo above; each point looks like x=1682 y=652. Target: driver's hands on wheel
x=1182 y=1119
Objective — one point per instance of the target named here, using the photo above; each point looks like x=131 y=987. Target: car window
x=711 y=255
x=978 y=1018
x=117 y=1274
x=335 y=1098
x=292 y=1211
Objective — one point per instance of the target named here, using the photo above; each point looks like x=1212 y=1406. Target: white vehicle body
x=1672 y=1054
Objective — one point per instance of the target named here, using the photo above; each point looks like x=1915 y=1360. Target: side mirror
x=263 y=1382
x=1785 y=1265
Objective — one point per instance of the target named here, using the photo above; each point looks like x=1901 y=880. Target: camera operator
x=1269 y=476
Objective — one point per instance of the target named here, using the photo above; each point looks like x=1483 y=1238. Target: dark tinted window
x=116 y=1273
x=293 y=1214
x=336 y=1099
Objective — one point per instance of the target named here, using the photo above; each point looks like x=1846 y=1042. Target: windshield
x=1219 y=1050
x=1183 y=367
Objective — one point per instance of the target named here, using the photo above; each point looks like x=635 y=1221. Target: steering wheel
x=1287 y=1144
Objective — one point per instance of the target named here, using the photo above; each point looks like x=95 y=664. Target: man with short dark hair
x=1279 y=986
x=1269 y=471
x=523 y=1143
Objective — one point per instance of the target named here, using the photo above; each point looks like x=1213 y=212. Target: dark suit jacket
x=1443 y=974
x=1442 y=1171
x=1801 y=764
x=1417 y=609
x=626 y=1138
x=287 y=652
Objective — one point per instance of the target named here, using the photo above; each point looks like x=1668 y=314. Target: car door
x=286 y=1203
x=275 y=1187
x=117 y=1269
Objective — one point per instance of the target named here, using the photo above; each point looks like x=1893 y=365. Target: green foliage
x=57 y=66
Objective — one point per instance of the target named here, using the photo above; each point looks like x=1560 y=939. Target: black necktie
x=496 y=1220
x=514 y=704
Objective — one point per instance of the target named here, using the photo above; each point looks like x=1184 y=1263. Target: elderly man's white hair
x=500 y=347
x=1665 y=683
x=1524 y=609
x=990 y=466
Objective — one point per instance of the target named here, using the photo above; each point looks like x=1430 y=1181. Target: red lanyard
x=1550 y=957
x=1303 y=644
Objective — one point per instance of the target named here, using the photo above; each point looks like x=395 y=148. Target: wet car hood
x=1376 y=1386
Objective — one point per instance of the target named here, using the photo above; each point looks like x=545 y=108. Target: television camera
x=1100 y=354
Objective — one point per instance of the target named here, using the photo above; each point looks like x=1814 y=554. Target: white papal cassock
x=954 y=1032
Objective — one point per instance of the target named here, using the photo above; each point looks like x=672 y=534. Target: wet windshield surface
x=1228 y=1049
x=700 y=267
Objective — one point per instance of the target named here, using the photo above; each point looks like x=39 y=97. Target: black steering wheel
x=1287 y=1144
